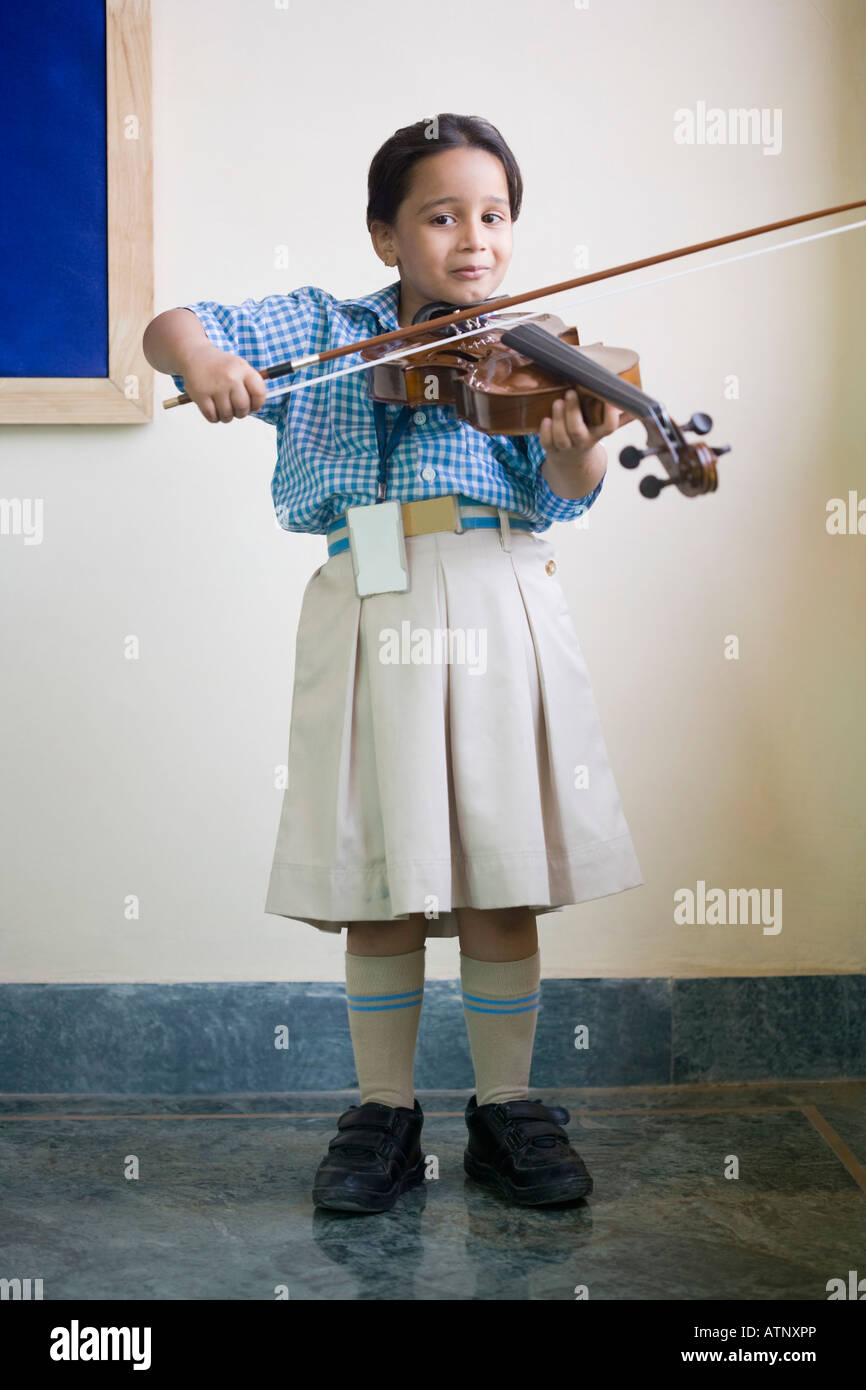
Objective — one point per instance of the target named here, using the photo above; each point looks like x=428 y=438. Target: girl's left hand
x=567 y=433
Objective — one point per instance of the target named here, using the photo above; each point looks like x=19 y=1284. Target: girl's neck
x=408 y=304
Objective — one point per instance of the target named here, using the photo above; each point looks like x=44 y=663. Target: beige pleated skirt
x=445 y=749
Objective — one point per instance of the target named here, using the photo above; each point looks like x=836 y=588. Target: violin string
x=712 y=265
x=406 y=352
x=604 y=294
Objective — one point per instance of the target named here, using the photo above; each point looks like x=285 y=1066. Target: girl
x=427 y=796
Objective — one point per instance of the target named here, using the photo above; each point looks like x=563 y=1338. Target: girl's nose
x=474 y=238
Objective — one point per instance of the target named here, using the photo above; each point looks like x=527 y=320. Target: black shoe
x=375 y=1156
x=519 y=1148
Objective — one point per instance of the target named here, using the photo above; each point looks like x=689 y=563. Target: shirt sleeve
x=549 y=505
x=264 y=332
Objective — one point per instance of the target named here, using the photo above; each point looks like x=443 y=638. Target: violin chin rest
x=439 y=310
x=432 y=311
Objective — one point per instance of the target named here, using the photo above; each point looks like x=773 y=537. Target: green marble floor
x=221 y=1206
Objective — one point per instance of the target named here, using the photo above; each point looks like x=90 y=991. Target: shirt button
x=551 y=567
x=419 y=417
x=428 y=473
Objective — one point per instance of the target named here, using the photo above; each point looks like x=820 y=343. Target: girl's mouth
x=471 y=273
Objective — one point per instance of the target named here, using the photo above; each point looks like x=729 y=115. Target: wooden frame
x=125 y=396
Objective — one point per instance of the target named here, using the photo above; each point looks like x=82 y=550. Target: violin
x=507 y=381
x=494 y=388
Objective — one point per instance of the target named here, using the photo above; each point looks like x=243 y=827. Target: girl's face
x=452 y=240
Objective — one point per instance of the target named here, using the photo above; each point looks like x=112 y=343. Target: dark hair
x=388 y=177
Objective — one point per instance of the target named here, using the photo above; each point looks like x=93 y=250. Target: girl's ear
x=383 y=243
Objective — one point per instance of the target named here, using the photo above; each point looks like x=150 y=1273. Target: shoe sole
x=370 y=1201
x=566 y=1190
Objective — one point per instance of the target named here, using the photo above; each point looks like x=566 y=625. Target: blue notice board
x=53 y=207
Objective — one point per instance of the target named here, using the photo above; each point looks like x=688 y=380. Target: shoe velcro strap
x=517 y=1135
x=371 y=1141
x=365 y=1117
x=530 y=1110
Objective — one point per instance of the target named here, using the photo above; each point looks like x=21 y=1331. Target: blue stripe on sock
x=369 y=1003
x=493 y=999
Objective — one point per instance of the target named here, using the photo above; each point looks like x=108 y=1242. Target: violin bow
x=491 y=306
x=691 y=467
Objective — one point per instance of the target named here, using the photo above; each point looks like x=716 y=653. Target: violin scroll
x=691 y=467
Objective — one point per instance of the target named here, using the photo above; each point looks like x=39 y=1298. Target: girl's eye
x=437 y=220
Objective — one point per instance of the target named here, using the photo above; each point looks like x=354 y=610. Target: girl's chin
x=468 y=291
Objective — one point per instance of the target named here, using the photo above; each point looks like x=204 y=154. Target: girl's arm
x=577 y=478
x=224 y=386
x=216 y=352
x=575 y=460
x=172 y=337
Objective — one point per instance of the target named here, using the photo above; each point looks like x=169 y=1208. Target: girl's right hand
x=223 y=386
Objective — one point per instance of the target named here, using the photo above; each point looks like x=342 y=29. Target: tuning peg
x=699 y=423
x=651 y=486
x=720 y=449
x=631 y=457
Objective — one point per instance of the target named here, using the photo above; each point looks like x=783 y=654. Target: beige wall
x=155 y=777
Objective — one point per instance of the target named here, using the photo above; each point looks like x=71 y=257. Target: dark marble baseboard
x=213 y=1038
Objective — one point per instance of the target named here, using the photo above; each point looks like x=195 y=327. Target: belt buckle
x=439 y=514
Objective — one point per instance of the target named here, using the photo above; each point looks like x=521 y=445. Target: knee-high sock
x=384 y=995
x=500 y=1002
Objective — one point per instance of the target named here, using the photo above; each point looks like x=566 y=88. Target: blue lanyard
x=388 y=445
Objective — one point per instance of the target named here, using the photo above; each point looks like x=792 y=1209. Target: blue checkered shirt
x=327 y=456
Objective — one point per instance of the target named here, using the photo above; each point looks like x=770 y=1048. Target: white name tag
x=378 y=548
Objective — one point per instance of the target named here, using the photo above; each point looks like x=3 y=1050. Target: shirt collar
x=383 y=303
